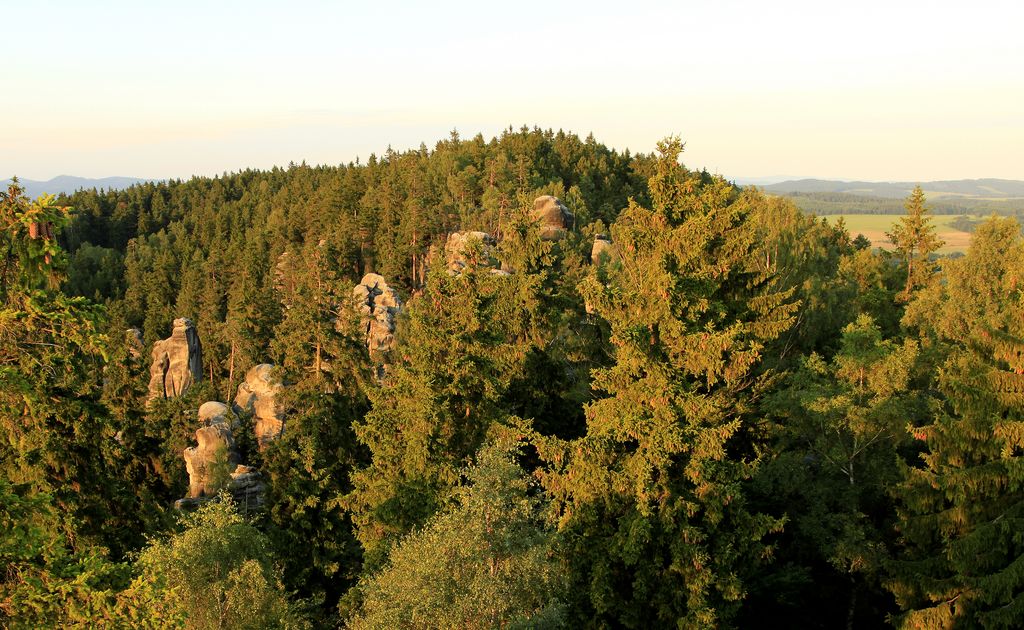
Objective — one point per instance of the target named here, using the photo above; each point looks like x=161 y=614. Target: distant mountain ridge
x=971 y=188
x=69 y=184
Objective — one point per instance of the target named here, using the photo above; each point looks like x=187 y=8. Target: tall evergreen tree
x=914 y=238
x=653 y=513
x=461 y=345
x=55 y=434
x=962 y=505
x=837 y=429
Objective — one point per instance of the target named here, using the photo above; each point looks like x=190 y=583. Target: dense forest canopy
x=520 y=382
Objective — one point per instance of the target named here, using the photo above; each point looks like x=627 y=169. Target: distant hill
x=69 y=184
x=964 y=188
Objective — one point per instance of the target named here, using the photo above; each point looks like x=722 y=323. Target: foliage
x=962 y=505
x=307 y=470
x=837 y=431
x=219 y=572
x=742 y=415
x=55 y=435
x=46 y=582
x=485 y=562
x=914 y=238
x=652 y=506
x=461 y=345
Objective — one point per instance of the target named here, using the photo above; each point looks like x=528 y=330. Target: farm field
x=874 y=227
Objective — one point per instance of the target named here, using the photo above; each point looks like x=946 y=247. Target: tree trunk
x=231 y=373
x=853 y=603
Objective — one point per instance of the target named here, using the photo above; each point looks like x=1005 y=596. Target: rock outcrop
x=177 y=362
x=378 y=306
x=469 y=249
x=258 y=396
x=214 y=465
x=603 y=250
x=247 y=487
x=210 y=463
x=553 y=216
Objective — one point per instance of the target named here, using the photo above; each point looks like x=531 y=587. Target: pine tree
x=308 y=469
x=653 y=513
x=914 y=238
x=962 y=505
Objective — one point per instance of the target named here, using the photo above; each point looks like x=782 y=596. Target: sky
x=896 y=90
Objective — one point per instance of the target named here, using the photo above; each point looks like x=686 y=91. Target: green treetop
x=483 y=563
x=914 y=239
x=653 y=512
x=962 y=505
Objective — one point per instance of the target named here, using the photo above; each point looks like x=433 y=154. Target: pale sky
x=855 y=90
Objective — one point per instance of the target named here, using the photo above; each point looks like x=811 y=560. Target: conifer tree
x=52 y=581
x=55 y=434
x=914 y=238
x=310 y=341
x=962 y=506
x=653 y=513
x=837 y=430
x=460 y=345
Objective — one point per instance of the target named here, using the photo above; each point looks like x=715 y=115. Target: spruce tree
x=460 y=345
x=962 y=505
x=56 y=436
x=654 y=520
x=837 y=427
x=914 y=238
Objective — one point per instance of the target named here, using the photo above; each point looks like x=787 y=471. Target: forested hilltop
x=523 y=382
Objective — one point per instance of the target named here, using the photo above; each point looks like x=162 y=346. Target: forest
x=523 y=382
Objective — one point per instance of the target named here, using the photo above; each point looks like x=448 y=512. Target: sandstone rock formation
x=603 y=250
x=209 y=464
x=258 y=396
x=214 y=465
x=247 y=487
x=554 y=217
x=378 y=305
x=177 y=362
x=469 y=249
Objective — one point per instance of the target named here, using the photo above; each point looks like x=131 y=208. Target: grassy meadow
x=874 y=227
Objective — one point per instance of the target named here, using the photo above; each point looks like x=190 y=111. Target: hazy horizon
x=875 y=92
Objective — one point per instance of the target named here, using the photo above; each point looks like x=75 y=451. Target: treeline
x=737 y=417
x=822 y=203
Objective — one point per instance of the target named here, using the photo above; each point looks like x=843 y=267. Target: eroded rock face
x=603 y=250
x=553 y=216
x=213 y=412
x=210 y=463
x=247 y=487
x=177 y=362
x=258 y=396
x=214 y=465
x=469 y=249
x=378 y=305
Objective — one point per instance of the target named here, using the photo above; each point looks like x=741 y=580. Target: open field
x=874 y=227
